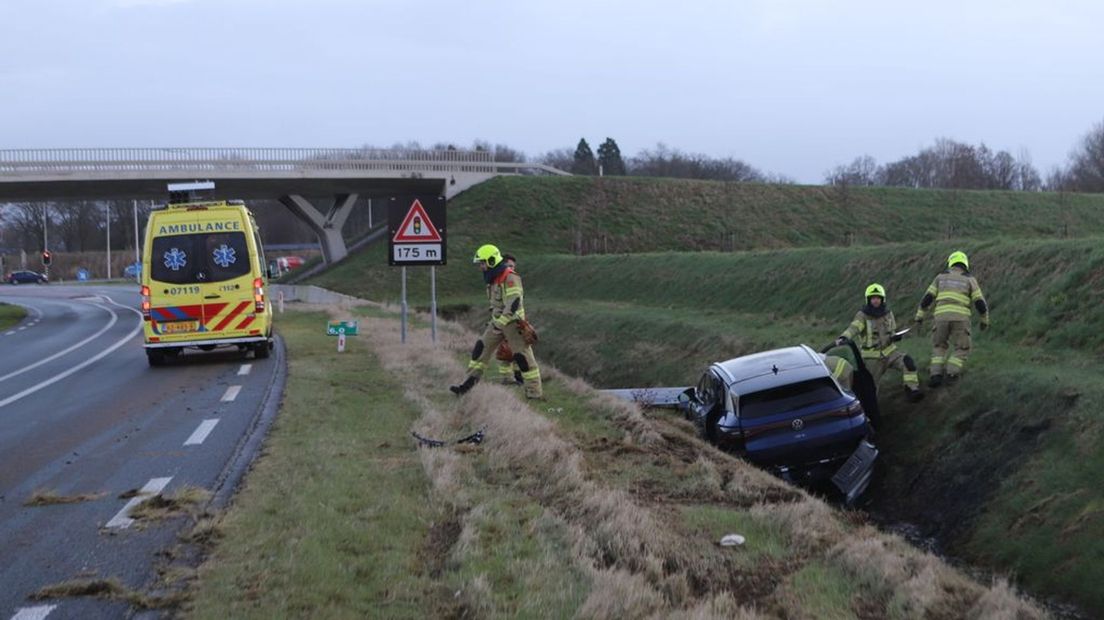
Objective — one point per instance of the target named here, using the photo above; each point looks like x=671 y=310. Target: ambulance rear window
x=199 y=258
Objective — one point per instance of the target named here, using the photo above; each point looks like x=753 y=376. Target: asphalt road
x=81 y=412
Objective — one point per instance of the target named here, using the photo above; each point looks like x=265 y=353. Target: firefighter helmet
x=875 y=290
x=958 y=258
x=488 y=253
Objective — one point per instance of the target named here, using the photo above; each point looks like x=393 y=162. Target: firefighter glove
x=985 y=322
x=840 y=341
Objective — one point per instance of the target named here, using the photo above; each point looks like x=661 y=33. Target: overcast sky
x=790 y=86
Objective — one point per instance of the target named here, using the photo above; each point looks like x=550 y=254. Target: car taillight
x=258 y=295
x=146 y=303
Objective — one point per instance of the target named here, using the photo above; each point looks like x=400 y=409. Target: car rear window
x=199 y=258
x=787 y=398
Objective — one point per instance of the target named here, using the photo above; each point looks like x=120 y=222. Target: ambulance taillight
x=258 y=295
x=145 y=303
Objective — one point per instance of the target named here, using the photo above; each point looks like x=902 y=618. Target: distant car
x=26 y=277
x=287 y=263
x=782 y=410
x=132 y=270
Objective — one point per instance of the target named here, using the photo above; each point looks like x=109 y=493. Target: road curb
x=249 y=446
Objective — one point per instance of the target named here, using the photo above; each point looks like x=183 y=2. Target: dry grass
x=110 y=589
x=49 y=497
x=185 y=501
x=641 y=561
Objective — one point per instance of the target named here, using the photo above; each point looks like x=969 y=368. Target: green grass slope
x=1000 y=468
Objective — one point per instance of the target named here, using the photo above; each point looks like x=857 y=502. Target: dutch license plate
x=179 y=327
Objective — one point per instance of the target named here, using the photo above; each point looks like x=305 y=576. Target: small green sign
x=336 y=328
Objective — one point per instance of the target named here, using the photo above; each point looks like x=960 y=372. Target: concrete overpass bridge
x=321 y=186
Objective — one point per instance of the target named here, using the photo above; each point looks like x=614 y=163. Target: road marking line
x=58 y=377
x=231 y=393
x=153 y=487
x=204 y=429
x=23 y=328
x=114 y=319
x=33 y=613
x=245 y=370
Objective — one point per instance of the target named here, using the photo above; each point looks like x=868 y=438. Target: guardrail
x=15 y=162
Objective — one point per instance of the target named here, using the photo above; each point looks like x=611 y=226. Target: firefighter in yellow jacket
x=955 y=295
x=873 y=330
x=505 y=293
x=508 y=371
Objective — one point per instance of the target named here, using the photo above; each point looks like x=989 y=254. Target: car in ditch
x=782 y=410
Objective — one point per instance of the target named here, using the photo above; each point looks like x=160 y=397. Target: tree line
x=949 y=164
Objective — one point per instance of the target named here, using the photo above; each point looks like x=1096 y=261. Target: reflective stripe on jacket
x=506 y=299
x=873 y=334
x=955 y=294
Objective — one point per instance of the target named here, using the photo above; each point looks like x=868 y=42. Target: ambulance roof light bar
x=190 y=192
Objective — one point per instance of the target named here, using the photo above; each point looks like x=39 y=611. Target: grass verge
x=10 y=315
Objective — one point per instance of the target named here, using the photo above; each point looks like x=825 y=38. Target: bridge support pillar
x=327 y=226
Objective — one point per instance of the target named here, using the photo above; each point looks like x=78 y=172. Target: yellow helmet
x=956 y=258
x=488 y=253
x=875 y=290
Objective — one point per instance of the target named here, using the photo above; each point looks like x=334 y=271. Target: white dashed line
x=33 y=613
x=231 y=393
x=245 y=370
x=10 y=333
x=153 y=487
x=204 y=429
x=22 y=328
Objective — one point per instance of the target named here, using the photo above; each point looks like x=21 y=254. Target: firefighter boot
x=935 y=381
x=463 y=388
x=913 y=395
x=952 y=379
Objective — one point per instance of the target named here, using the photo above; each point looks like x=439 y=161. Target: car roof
x=761 y=371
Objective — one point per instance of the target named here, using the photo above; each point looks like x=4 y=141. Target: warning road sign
x=417 y=228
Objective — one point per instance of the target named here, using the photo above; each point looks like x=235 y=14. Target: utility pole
x=108 y=212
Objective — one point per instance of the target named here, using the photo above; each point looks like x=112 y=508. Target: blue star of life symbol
x=224 y=256
x=175 y=259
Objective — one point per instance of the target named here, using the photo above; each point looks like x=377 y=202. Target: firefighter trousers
x=898 y=361
x=950 y=346
x=486 y=346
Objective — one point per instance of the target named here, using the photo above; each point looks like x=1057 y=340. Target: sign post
x=417 y=237
x=341 y=329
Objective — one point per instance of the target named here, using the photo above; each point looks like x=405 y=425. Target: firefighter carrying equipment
x=873 y=329
x=952 y=298
x=506 y=296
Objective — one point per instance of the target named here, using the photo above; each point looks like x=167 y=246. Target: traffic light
x=46 y=257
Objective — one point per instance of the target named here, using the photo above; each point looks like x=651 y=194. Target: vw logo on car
x=798 y=424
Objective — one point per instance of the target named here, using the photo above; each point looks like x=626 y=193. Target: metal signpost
x=416 y=227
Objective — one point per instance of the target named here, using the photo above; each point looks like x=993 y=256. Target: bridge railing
x=15 y=162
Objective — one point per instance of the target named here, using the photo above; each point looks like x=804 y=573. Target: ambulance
x=203 y=280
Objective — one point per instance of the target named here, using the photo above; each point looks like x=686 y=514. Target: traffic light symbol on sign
x=46 y=257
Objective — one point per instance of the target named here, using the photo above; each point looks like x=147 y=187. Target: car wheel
x=262 y=350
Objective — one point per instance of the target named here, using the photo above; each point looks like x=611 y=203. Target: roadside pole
x=137 y=254
x=404 y=305
x=108 y=213
x=433 y=302
x=45 y=241
x=416 y=227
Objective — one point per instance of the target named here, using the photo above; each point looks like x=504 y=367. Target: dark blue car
x=782 y=410
x=25 y=277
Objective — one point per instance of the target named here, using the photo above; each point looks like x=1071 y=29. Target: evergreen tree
x=584 y=159
x=609 y=157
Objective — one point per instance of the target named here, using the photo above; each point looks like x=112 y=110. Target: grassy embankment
x=580 y=506
x=1012 y=450
x=10 y=315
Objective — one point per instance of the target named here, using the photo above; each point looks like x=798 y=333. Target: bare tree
x=558 y=158
x=1086 y=170
x=862 y=171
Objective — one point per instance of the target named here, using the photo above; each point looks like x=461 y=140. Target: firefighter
x=508 y=371
x=956 y=295
x=873 y=329
x=841 y=370
x=507 y=323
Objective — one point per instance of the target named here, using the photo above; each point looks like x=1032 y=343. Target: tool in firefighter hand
x=897 y=336
x=426 y=442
